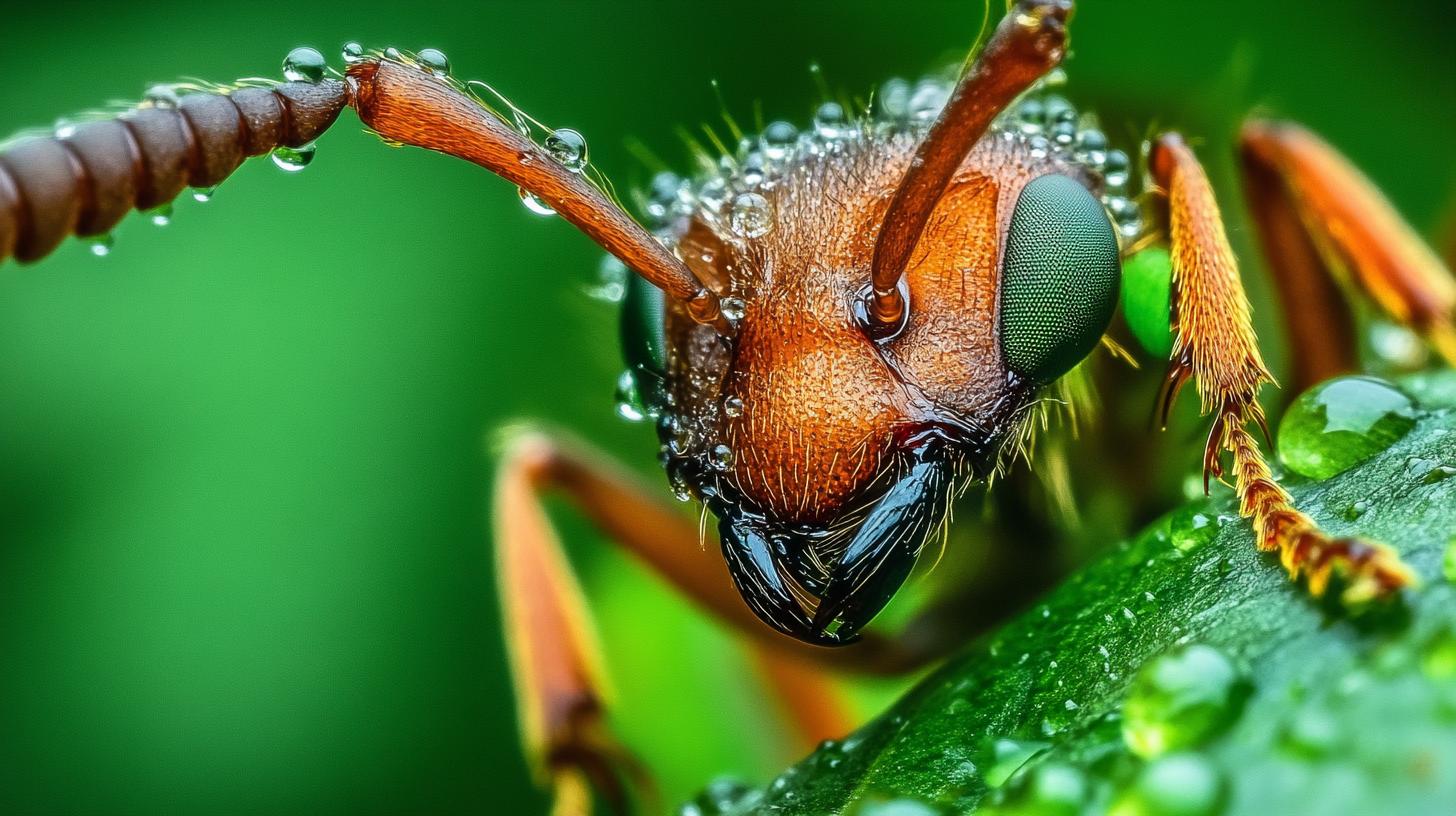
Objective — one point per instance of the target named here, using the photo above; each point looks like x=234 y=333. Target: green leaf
x=1183 y=673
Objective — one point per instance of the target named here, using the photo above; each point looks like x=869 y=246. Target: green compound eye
x=1059 y=278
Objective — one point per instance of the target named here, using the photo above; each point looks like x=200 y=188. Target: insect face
x=829 y=448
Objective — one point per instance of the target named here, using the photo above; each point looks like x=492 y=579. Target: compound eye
x=1059 y=278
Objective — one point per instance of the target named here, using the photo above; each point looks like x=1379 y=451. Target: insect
x=825 y=378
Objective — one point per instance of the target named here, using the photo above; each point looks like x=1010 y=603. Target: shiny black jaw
x=784 y=579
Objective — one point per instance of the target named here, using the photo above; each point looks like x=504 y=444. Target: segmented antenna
x=85 y=181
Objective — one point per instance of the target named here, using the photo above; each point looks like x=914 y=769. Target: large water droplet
x=352 y=52
x=567 y=147
x=873 y=806
x=161 y=215
x=304 y=64
x=1180 y=699
x=294 y=159
x=721 y=457
x=534 y=202
x=733 y=407
x=751 y=216
x=434 y=61
x=1115 y=168
x=102 y=245
x=202 y=195
x=894 y=98
x=1178 y=785
x=1342 y=422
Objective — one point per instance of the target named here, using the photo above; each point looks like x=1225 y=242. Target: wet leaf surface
x=1182 y=673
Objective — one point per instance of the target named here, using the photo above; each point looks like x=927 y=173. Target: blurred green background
x=244 y=551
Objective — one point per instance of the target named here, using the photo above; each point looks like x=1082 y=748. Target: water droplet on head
x=732 y=407
x=1340 y=423
x=928 y=99
x=304 y=64
x=1031 y=116
x=294 y=159
x=434 y=61
x=1115 y=168
x=534 y=202
x=894 y=98
x=352 y=52
x=393 y=54
x=1058 y=109
x=778 y=140
x=1063 y=133
x=752 y=215
x=1180 y=699
x=830 y=121
x=202 y=195
x=1039 y=147
x=161 y=216
x=568 y=148
x=101 y=245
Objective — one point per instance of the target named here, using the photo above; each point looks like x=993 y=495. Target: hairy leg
x=1216 y=347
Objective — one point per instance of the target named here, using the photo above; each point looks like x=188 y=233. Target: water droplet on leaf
x=1340 y=423
x=751 y=216
x=1180 y=699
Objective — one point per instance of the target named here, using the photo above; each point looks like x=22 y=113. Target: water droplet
x=161 y=216
x=611 y=281
x=872 y=806
x=567 y=147
x=1009 y=756
x=1092 y=146
x=434 y=61
x=534 y=203
x=1031 y=116
x=733 y=308
x=1311 y=732
x=752 y=215
x=778 y=140
x=65 y=130
x=1115 y=168
x=1039 y=147
x=1063 y=133
x=1355 y=510
x=161 y=96
x=393 y=55
x=732 y=407
x=352 y=52
x=1178 y=785
x=202 y=195
x=1190 y=529
x=629 y=402
x=894 y=98
x=1180 y=699
x=721 y=457
x=1396 y=346
x=304 y=64
x=102 y=245
x=720 y=797
x=294 y=159
x=929 y=98
x=1341 y=423
x=1058 y=109
x=830 y=121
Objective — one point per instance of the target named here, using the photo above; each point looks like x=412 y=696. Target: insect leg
x=1216 y=347
x=86 y=181
x=1323 y=223
x=560 y=684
